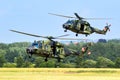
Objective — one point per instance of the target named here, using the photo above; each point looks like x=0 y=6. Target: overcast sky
x=32 y=16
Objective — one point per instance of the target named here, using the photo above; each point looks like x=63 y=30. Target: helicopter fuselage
x=78 y=26
x=50 y=49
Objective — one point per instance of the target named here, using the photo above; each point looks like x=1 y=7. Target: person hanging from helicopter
x=40 y=44
x=85 y=48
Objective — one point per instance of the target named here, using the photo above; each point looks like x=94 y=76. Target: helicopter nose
x=63 y=25
x=66 y=26
x=30 y=50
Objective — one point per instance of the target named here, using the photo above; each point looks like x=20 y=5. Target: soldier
x=40 y=44
x=53 y=47
x=85 y=49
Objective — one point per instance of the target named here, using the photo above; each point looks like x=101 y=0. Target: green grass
x=59 y=74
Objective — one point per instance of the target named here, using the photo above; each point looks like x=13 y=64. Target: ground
x=59 y=74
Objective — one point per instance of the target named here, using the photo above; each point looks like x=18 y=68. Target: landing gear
x=30 y=55
x=86 y=35
x=59 y=60
x=46 y=59
x=65 y=30
x=57 y=65
x=77 y=34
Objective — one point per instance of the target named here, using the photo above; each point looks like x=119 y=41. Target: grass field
x=59 y=74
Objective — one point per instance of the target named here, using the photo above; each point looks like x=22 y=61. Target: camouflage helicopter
x=80 y=26
x=52 y=49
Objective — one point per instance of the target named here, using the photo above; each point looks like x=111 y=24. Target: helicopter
x=80 y=26
x=52 y=49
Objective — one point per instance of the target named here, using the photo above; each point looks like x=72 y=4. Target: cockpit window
x=70 y=22
x=35 y=44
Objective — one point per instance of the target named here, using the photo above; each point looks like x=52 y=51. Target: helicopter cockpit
x=35 y=44
x=68 y=24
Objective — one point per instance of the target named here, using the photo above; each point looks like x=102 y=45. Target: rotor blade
x=90 y=18
x=62 y=15
x=97 y=18
x=27 y=33
x=78 y=16
x=62 y=35
x=70 y=39
x=47 y=37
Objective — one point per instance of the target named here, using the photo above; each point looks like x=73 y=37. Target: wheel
x=46 y=59
x=65 y=30
x=86 y=35
x=30 y=55
x=76 y=34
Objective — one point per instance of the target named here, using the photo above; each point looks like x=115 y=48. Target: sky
x=32 y=16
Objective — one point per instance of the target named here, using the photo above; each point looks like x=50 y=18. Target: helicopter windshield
x=70 y=22
x=35 y=44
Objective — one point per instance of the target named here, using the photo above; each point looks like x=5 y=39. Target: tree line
x=105 y=54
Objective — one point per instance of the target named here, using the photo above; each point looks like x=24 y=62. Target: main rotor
x=51 y=38
x=79 y=17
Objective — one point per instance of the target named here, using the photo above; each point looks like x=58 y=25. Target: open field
x=59 y=74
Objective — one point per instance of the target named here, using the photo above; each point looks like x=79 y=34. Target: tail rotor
x=108 y=26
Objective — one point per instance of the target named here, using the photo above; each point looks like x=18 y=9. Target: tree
x=28 y=64
x=3 y=46
x=66 y=65
x=89 y=64
x=38 y=61
x=117 y=62
x=9 y=65
x=79 y=62
x=50 y=64
x=103 y=62
x=2 y=60
x=11 y=54
x=19 y=61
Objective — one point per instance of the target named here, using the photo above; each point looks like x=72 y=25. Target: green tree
x=79 y=62
x=11 y=54
x=66 y=65
x=89 y=64
x=3 y=46
x=103 y=62
x=9 y=65
x=117 y=62
x=19 y=44
x=38 y=61
x=28 y=64
x=19 y=61
x=2 y=60
x=49 y=63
